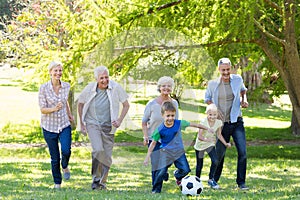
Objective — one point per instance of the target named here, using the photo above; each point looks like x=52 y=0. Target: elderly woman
x=152 y=118
x=55 y=121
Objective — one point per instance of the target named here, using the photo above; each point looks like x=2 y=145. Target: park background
x=140 y=41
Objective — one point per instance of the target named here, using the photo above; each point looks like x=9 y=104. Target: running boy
x=172 y=148
x=207 y=141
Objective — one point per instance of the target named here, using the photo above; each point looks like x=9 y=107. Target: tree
x=274 y=26
x=72 y=30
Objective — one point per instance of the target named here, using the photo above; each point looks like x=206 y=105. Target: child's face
x=169 y=117
x=212 y=115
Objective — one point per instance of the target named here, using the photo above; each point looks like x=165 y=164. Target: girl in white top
x=206 y=142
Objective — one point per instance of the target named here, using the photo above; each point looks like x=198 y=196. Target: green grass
x=25 y=171
x=26 y=175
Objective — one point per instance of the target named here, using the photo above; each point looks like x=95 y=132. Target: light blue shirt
x=237 y=86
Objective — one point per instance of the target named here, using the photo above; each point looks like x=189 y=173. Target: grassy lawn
x=273 y=156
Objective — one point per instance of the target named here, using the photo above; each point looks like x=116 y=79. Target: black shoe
x=243 y=187
x=96 y=185
x=166 y=176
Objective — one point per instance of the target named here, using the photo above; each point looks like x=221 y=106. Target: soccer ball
x=191 y=185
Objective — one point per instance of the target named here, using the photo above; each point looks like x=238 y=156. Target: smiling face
x=56 y=72
x=169 y=117
x=165 y=88
x=103 y=80
x=212 y=115
x=224 y=70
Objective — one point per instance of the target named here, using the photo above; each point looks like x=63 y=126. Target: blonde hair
x=54 y=64
x=163 y=80
x=99 y=70
x=211 y=107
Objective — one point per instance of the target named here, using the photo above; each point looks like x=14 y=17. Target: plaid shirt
x=58 y=120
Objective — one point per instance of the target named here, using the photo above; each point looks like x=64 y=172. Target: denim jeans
x=65 y=142
x=154 y=159
x=237 y=131
x=211 y=151
x=180 y=163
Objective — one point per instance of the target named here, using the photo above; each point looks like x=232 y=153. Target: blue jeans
x=237 y=131
x=154 y=159
x=180 y=163
x=211 y=151
x=65 y=142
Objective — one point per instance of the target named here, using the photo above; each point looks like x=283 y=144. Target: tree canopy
x=264 y=31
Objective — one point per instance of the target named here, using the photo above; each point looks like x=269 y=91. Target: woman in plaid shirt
x=55 y=121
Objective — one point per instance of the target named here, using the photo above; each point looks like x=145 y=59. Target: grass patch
x=30 y=178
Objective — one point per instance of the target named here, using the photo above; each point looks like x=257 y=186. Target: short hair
x=54 y=64
x=211 y=107
x=99 y=70
x=163 y=80
x=225 y=61
x=167 y=106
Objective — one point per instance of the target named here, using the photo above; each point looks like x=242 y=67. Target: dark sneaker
x=67 y=174
x=213 y=184
x=243 y=187
x=178 y=182
x=102 y=186
x=166 y=176
x=96 y=185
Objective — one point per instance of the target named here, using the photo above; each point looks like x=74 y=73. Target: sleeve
x=83 y=95
x=42 y=97
x=147 y=113
x=176 y=106
x=156 y=135
x=208 y=93
x=243 y=87
x=184 y=124
x=123 y=96
x=219 y=123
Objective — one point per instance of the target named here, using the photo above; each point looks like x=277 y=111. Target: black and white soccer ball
x=191 y=185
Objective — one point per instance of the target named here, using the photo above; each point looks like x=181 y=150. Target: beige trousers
x=102 y=143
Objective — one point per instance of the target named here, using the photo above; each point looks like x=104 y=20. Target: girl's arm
x=150 y=149
x=221 y=138
x=201 y=137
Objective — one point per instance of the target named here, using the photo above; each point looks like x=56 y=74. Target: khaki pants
x=102 y=144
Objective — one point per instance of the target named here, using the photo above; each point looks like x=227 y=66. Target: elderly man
x=228 y=92
x=98 y=109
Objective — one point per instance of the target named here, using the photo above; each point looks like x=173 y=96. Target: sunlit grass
x=30 y=178
x=272 y=167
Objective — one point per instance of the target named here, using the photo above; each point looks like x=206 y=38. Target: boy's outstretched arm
x=150 y=149
x=200 y=126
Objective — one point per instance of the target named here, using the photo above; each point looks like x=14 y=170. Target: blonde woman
x=55 y=121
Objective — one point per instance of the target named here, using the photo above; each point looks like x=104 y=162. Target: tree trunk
x=295 y=124
x=73 y=108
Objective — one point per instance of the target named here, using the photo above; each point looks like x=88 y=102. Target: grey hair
x=100 y=70
x=165 y=79
x=223 y=61
x=54 y=64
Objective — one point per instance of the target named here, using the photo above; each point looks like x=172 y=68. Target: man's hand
x=244 y=104
x=83 y=129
